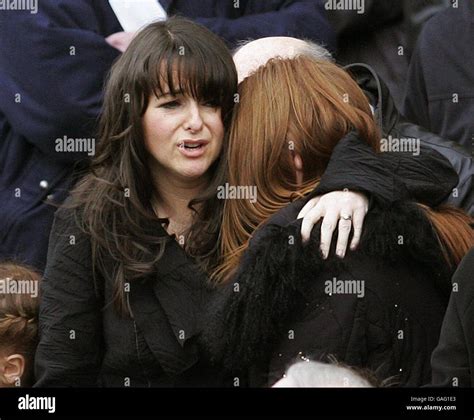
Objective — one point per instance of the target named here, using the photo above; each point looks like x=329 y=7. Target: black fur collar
x=250 y=312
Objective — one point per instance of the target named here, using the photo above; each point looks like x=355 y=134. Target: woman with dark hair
x=382 y=306
x=125 y=279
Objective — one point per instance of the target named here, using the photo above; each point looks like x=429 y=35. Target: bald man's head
x=254 y=54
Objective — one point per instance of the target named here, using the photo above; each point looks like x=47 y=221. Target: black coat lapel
x=180 y=287
x=168 y=309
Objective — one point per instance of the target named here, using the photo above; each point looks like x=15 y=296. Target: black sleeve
x=451 y=360
x=428 y=177
x=70 y=322
x=388 y=177
x=462 y=196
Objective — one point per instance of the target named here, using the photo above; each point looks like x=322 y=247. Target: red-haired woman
x=379 y=308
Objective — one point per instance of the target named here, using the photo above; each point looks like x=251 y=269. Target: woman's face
x=183 y=136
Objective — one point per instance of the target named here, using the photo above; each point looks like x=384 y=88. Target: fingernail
x=340 y=253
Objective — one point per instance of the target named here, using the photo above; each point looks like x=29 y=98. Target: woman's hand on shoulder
x=345 y=209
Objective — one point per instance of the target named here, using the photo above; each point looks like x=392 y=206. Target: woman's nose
x=194 y=121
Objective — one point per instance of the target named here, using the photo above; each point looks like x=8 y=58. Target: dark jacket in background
x=440 y=82
x=277 y=309
x=395 y=125
x=254 y=19
x=375 y=36
x=56 y=60
x=52 y=68
x=84 y=343
x=453 y=359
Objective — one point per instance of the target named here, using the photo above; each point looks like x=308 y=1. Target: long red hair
x=287 y=107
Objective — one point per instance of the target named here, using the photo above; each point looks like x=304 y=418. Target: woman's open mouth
x=192 y=148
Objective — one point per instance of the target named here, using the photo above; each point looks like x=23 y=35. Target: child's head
x=19 y=287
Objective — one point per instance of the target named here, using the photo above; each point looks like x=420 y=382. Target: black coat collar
x=167 y=309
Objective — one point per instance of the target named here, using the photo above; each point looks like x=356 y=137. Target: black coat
x=83 y=342
x=453 y=359
x=278 y=307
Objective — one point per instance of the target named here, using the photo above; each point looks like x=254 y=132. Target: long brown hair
x=304 y=106
x=114 y=197
x=289 y=106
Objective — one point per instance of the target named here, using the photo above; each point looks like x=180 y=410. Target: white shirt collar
x=135 y=14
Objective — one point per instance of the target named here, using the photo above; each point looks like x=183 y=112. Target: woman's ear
x=298 y=162
x=12 y=369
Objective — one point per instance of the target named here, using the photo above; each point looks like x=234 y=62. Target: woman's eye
x=170 y=104
x=211 y=104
